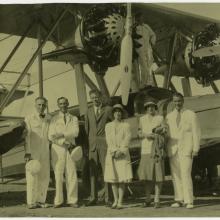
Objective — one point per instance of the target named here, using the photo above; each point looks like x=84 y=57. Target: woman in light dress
x=151 y=167
x=118 y=169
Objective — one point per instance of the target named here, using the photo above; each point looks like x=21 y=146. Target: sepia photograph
x=109 y=109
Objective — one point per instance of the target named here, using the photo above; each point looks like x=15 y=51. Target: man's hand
x=27 y=157
x=194 y=154
x=71 y=147
x=66 y=144
x=57 y=135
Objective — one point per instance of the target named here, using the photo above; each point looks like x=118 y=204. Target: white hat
x=76 y=153
x=33 y=166
x=148 y=103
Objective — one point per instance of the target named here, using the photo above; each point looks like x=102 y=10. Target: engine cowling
x=204 y=59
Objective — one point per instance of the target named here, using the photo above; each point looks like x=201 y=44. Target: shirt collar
x=62 y=115
x=37 y=114
x=181 y=111
x=97 y=107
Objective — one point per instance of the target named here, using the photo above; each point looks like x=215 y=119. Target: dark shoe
x=119 y=207
x=58 y=206
x=74 y=205
x=32 y=206
x=146 y=204
x=91 y=203
x=156 y=205
x=108 y=204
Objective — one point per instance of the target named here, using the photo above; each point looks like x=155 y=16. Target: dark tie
x=42 y=115
x=178 y=118
x=64 y=118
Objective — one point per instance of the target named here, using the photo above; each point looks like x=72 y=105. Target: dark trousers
x=95 y=158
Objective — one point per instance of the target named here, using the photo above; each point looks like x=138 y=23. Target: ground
x=12 y=204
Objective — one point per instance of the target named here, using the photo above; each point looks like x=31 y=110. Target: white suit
x=61 y=160
x=37 y=145
x=184 y=139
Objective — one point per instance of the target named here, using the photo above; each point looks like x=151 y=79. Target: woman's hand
x=119 y=154
x=150 y=136
x=140 y=133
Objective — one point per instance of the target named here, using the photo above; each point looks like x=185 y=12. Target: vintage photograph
x=110 y=109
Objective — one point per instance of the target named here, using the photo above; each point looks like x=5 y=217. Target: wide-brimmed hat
x=76 y=153
x=150 y=102
x=33 y=166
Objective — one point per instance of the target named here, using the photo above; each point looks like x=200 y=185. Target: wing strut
x=168 y=75
x=102 y=85
x=27 y=67
x=15 y=48
x=214 y=87
x=40 y=64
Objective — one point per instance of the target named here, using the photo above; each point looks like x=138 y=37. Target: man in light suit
x=63 y=130
x=183 y=145
x=37 y=148
x=95 y=120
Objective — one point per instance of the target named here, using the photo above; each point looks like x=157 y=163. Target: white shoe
x=189 y=206
x=176 y=205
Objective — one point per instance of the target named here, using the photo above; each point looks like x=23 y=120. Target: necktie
x=64 y=118
x=178 y=118
x=97 y=113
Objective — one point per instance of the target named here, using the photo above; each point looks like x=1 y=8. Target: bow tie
x=42 y=115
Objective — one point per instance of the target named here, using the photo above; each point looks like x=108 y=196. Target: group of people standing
x=176 y=136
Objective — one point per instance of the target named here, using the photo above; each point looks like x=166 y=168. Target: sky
x=64 y=84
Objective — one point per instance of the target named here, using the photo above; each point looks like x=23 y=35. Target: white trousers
x=181 y=168
x=62 y=163
x=37 y=185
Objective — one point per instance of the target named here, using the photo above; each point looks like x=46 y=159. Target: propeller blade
x=126 y=57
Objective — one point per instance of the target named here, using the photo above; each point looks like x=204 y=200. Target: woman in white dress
x=118 y=169
x=151 y=167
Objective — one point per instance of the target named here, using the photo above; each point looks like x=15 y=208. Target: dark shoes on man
x=148 y=204
x=91 y=203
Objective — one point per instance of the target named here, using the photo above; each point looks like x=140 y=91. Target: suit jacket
x=184 y=138
x=95 y=127
x=36 y=139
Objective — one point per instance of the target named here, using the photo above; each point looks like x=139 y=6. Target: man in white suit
x=37 y=148
x=63 y=130
x=183 y=145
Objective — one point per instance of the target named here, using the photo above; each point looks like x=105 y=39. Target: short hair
x=178 y=94
x=94 y=91
x=62 y=97
x=41 y=98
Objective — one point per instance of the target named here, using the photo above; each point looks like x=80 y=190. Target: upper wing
x=15 y=18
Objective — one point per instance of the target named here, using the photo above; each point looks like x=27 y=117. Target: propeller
x=126 y=57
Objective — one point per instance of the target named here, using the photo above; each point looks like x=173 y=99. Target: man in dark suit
x=95 y=120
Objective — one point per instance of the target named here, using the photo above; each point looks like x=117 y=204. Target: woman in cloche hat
x=151 y=167
x=117 y=165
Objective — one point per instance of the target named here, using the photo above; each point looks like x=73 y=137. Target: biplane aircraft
x=106 y=35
